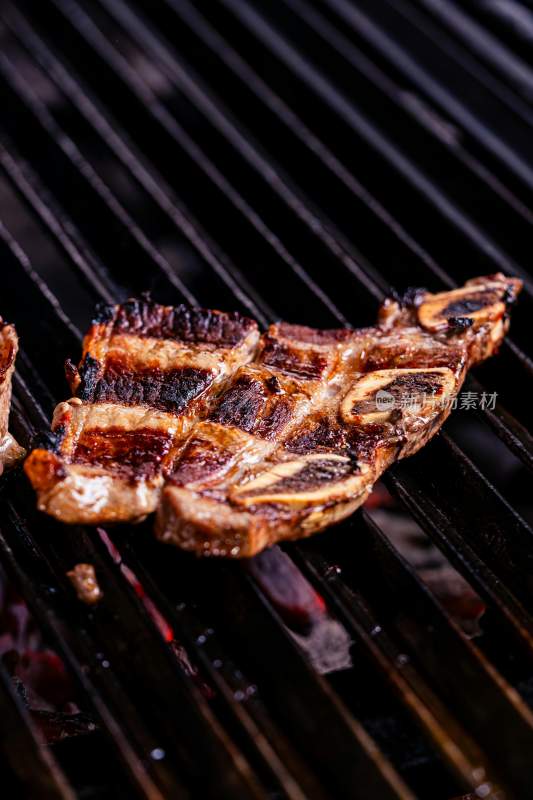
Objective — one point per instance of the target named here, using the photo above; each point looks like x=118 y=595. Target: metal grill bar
x=85 y=28
x=514 y=435
x=366 y=130
x=54 y=219
x=408 y=612
x=227 y=583
x=466 y=770
x=238 y=693
x=384 y=232
x=213 y=42
x=116 y=629
x=368 y=770
x=168 y=57
x=180 y=601
x=173 y=134
x=34 y=767
x=24 y=572
x=510 y=25
x=124 y=149
x=463 y=57
x=516 y=71
x=424 y=130
x=426 y=710
x=142 y=253
x=524 y=360
x=226 y=50
x=87 y=25
x=490 y=135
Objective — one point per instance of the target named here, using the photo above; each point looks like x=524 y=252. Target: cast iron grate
x=296 y=159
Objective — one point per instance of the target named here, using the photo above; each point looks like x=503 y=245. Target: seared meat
x=241 y=440
x=85 y=583
x=298 y=439
x=148 y=372
x=10 y=451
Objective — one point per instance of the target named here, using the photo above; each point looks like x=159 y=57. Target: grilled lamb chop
x=298 y=439
x=148 y=372
x=10 y=451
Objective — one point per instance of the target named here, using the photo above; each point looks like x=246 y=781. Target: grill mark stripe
x=257 y=404
x=170 y=390
x=181 y=323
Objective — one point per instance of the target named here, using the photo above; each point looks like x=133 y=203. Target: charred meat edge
x=10 y=451
x=147 y=373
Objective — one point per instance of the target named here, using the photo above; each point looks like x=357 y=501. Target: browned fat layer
x=254 y=405
x=412 y=350
x=313 y=335
x=303 y=363
x=199 y=460
x=139 y=451
x=166 y=390
x=316 y=435
x=182 y=323
x=391 y=358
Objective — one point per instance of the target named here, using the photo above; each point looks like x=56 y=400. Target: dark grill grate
x=295 y=159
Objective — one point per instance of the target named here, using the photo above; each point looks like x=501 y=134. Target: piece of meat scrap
x=10 y=451
x=298 y=439
x=148 y=372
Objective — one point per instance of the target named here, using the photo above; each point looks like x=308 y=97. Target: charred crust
x=456 y=324
x=142 y=317
x=49 y=440
x=510 y=296
x=241 y=404
x=166 y=390
x=364 y=442
x=469 y=304
x=412 y=297
x=104 y=313
x=273 y=385
x=89 y=373
x=251 y=407
x=318 y=435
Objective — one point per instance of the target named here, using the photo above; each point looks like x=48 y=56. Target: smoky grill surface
x=301 y=161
